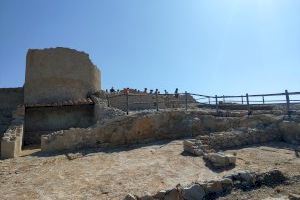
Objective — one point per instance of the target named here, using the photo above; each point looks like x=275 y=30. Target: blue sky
x=203 y=46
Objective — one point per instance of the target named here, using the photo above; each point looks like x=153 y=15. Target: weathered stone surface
x=290 y=131
x=11 y=142
x=175 y=193
x=294 y=196
x=130 y=197
x=58 y=74
x=193 y=192
x=238 y=137
x=215 y=186
x=44 y=120
x=160 y=194
x=220 y=160
x=10 y=99
x=191 y=147
x=149 y=126
x=102 y=112
x=227 y=184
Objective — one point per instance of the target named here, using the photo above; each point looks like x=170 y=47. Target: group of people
x=128 y=90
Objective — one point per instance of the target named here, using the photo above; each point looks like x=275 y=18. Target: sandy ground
x=113 y=174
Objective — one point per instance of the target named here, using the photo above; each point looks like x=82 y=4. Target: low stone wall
x=150 y=126
x=238 y=138
x=11 y=142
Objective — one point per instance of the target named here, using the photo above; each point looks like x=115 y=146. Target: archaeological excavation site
x=64 y=137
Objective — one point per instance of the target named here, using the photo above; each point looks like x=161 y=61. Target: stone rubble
x=212 y=189
x=11 y=142
x=220 y=159
x=210 y=146
x=294 y=196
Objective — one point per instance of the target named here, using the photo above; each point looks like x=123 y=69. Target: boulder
x=227 y=184
x=294 y=196
x=173 y=194
x=190 y=147
x=160 y=194
x=220 y=160
x=215 y=187
x=130 y=197
x=193 y=192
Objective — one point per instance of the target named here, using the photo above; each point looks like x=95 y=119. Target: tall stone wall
x=59 y=74
x=10 y=98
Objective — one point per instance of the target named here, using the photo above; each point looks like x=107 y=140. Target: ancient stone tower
x=59 y=74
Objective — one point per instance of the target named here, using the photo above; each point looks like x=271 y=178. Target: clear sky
x=204 y=46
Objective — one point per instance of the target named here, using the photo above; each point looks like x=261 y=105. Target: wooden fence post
x=217 y=106
x=186 y=100
x=156 y=99
x=107 y=98
x=263 y=98
x=223 y=99
x=248 y=105
x=209 y=100
x=287 y=102
x=242 y=99
x=127 y=102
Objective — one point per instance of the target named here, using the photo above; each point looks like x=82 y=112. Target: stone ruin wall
x=54 y=76
x=11 y=142
x=147 y=127
x=11 y=124
x=59 y=74
x=142 y=101
x=44 y=120
x=10 y=98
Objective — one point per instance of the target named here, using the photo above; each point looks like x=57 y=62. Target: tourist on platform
x=112 y=90
x=176 y=93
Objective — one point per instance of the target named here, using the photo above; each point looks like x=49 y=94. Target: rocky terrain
x=140 y=170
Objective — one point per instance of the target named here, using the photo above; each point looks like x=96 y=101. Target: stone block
x=220 y=160
x=193 y=192
x=9 y=148
x=214 y=186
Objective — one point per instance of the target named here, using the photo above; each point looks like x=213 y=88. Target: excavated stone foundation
x=225 y=130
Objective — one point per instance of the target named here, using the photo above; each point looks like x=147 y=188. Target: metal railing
x=183 y=100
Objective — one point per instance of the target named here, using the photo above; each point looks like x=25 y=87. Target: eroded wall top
x=58 y=74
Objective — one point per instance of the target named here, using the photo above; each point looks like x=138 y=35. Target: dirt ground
x=139 y=170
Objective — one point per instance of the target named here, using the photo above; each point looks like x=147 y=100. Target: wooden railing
x=216 y=101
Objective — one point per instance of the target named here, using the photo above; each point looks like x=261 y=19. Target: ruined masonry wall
x=11 y=142
x=147 y=127
x=59 y=74
x=43 y=120
x=148 y=101
x=10 y=98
